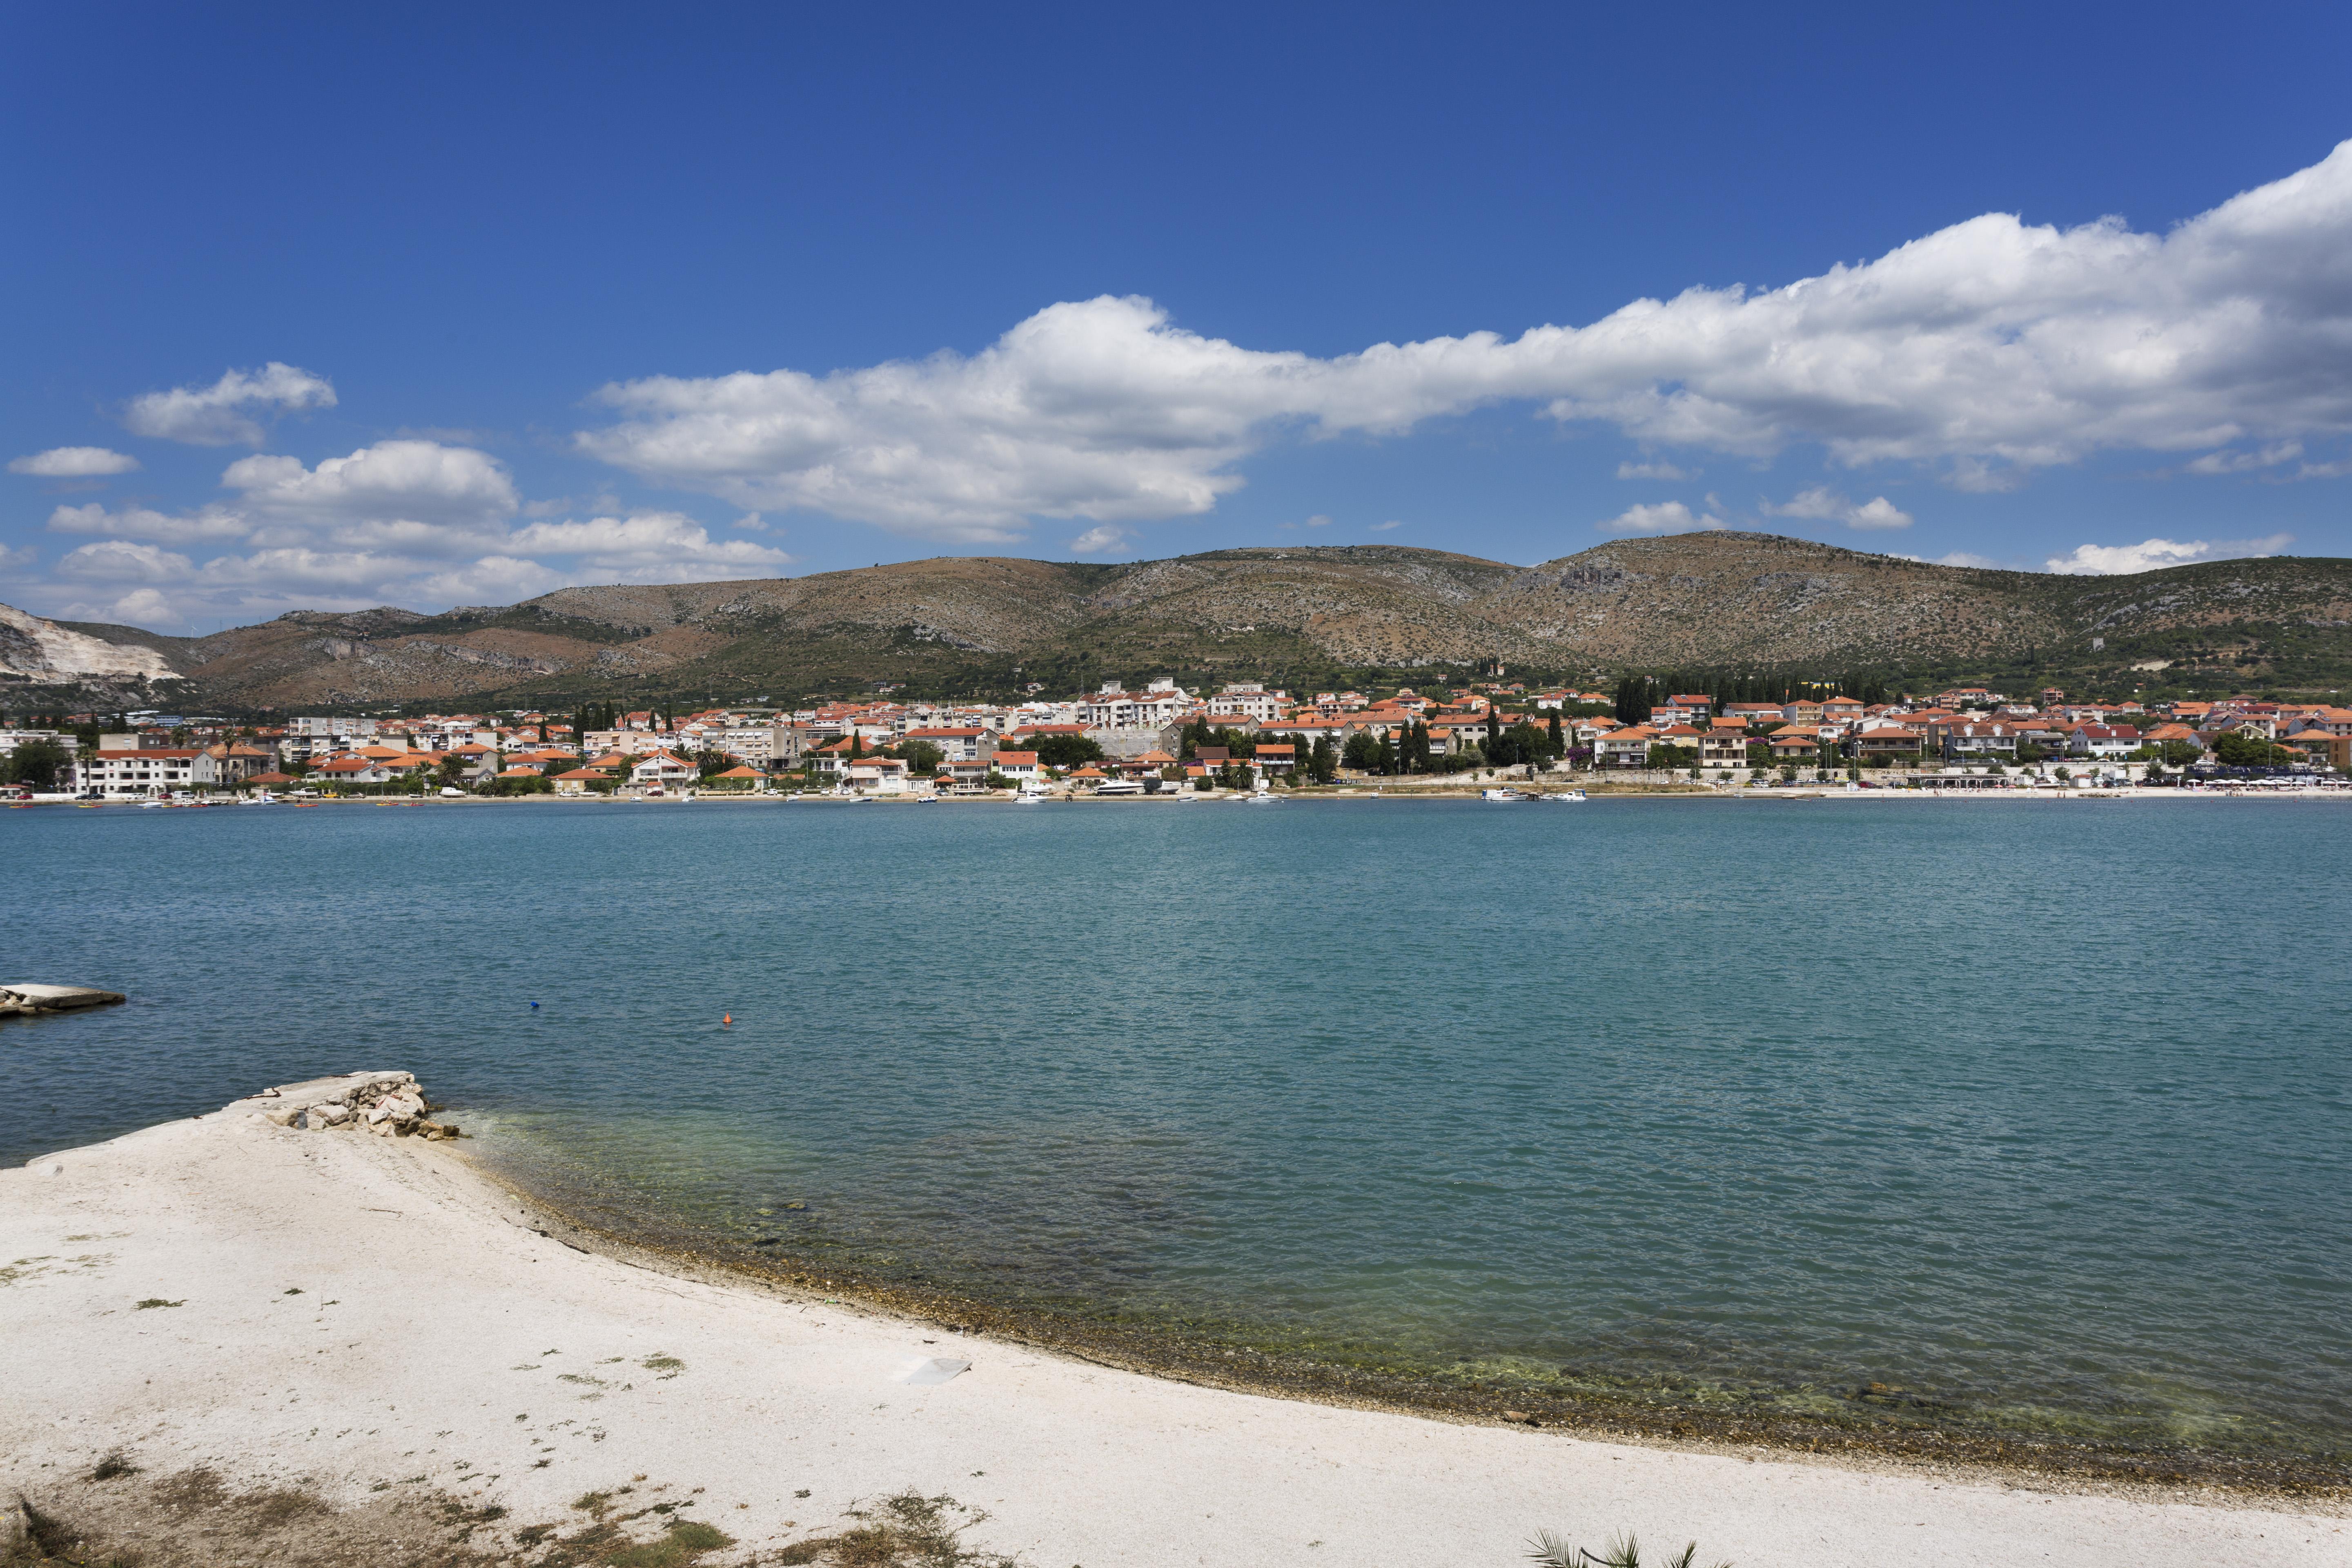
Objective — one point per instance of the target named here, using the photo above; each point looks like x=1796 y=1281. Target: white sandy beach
x=437 y=1336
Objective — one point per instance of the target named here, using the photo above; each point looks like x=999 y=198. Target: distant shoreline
x=1348 y=793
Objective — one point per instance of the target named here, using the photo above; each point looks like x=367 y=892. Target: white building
x=664 y=770
x=1250 y=699
x=134 y=775
x=1163 y=704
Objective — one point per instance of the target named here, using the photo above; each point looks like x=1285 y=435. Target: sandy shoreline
x=358 y=1315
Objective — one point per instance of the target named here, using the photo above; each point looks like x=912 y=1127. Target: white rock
x=933 y=1369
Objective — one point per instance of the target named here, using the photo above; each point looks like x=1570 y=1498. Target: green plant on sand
x=1623 y=1551
x=909 y=1531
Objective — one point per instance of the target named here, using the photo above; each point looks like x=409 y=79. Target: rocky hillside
x=989 y=625
x=38 y=652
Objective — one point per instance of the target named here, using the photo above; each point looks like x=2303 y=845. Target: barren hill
x=978 y=624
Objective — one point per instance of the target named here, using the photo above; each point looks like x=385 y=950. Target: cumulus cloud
x=1108 y=539
x=1649 y=471
x=121 y=560
x=74 y=463
x=403 y=521
x=2148 y=555
x=1825 y=503
x=416 y=480
x=650 y=547
x=1984 y=350
x=1666 y=517
x=217 y=415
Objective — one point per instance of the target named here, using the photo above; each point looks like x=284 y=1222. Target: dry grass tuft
x=908 y=1530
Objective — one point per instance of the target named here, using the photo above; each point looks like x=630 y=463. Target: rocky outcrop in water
x=30 y=1001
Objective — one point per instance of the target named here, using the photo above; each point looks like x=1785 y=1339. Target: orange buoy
x=727 y=1018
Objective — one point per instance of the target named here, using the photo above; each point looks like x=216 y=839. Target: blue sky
x=331 y=307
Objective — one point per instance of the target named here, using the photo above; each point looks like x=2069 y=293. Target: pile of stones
x=389 y=1105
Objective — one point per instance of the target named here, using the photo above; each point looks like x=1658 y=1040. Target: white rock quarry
x=46 y=651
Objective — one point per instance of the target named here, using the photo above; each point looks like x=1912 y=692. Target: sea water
x=2037 y=1108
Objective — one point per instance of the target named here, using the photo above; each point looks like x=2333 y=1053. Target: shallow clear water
x=2036 y=1108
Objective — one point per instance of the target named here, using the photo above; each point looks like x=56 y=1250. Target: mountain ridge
x=1721 y=599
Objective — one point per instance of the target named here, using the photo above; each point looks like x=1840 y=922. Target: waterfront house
x=1890 y=741
x=1795 y=744
x=875 y=775
x=2323 y=748
x=2103 y=740
x=1982 y=743
x=1724 y=745
x=1625 y=748
x=963 y=777
x=149 y=771
x=662 y=769
x=582 y=781
x=352 y=770
x=1272 y=759
x=1021 y=767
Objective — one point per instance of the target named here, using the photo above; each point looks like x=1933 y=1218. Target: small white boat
x=1029 y=800
x=1566 y=794
x=1118 y=786
x=1499 y=795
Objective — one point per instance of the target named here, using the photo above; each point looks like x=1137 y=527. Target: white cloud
x=1827 y=504
x=215 y=416
x=2148 y=555
x=1107 y=539
x=144 y=523
x=1666 y=517
x=419 y=481
x=74 y=463
x=1384 y=527
x=1649 y=471
x=1987 y=349
x=120 y=560
x=2270 y=456
x=403 y=521
x=1963 y=558
x=650 y=547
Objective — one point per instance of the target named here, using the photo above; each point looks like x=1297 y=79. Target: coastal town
x=1163 y=740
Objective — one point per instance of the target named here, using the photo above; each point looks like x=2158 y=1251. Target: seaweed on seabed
x=1623 y=1551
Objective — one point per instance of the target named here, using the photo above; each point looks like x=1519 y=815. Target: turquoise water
x=2037 y=1109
